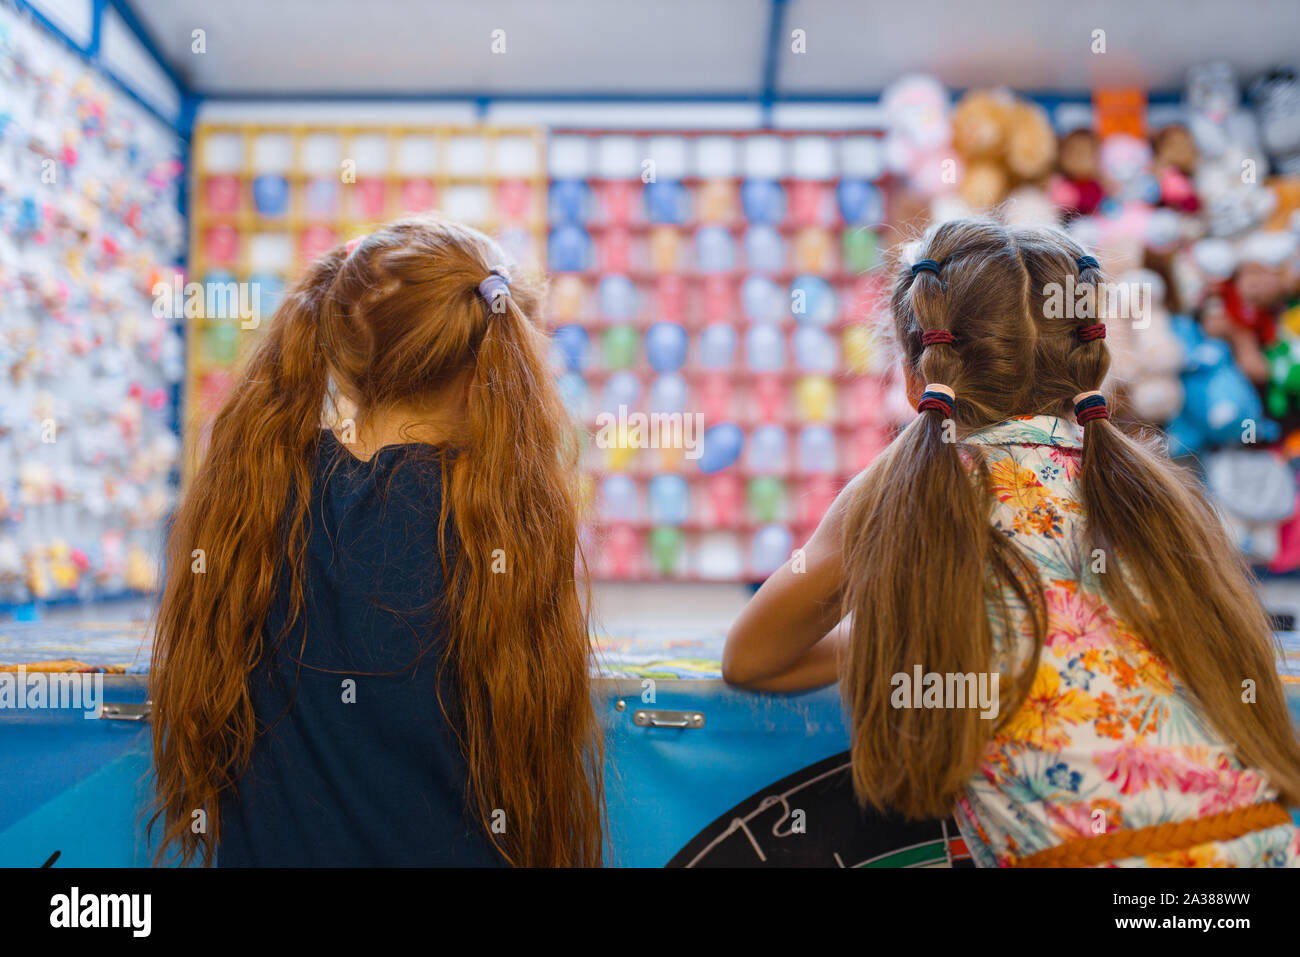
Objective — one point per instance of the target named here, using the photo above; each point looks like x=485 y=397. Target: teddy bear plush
x=1003 y=141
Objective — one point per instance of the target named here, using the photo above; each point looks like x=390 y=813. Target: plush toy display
x=1275 y=97
x=1077 y=186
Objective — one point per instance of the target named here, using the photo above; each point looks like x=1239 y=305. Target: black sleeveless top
x=354 y=762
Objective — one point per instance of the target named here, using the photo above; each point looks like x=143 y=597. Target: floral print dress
x=1107 y=734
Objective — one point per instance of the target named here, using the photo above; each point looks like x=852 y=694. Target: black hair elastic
x=1089 y=406
x=1087 y=262
x=925 y=265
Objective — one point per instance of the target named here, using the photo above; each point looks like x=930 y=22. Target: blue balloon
x=765 y=348
x=617 y=296
x=568 y=202
x=761 y=299
x=763 y=201
x=322 y=196
x=767 y=451
x=569 y=249
x=622 y=389
x=723 y=444
x=665 y=346
x=271 y=194
x=715 y=249
x=670 y=500
x=717 y=346
x=860 y=202
x=268 y=287
x=574 y=347
x=668 y=394
x=772 y=545
x=812 y=300
x=573 y=392
x=666 y=201
x=619 y=499
x=764 y=249
x=817 y=449
x=814 y=349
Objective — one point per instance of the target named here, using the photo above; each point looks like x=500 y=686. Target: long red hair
x=395 y=321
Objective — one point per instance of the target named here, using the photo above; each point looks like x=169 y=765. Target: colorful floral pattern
x=1107 y=738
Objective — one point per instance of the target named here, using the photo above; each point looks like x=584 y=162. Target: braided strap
x=1159 y=838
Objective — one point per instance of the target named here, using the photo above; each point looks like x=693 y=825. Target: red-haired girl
x=371 y=649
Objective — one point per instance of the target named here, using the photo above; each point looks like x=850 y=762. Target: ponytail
x=520 y=643
x=248 y=497
x=923 y=566
x=1172 y=573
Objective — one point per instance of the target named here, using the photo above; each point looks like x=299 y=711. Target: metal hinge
x=667 y=719
x=126 y=711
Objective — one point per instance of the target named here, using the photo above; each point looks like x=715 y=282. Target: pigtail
x=224 y=556
x=520 y=640
x=918 y=549
x=1173 y=572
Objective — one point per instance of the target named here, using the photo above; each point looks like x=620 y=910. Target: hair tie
x=1088 y=333
x=938 y=397
x=925 y=265
x=1089 y=406
x=936 y=337
x=497 y=283
x=1087 y=262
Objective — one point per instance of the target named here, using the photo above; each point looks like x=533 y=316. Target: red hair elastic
x=1088 y=333
x=934 y=337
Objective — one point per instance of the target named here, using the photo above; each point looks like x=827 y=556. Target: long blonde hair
x=394 y=321
x=926 y=573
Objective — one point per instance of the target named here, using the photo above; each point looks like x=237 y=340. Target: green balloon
x=766 y=496
x=621 y=347
x=666 y=549
x=860 y=249
x=221 y=340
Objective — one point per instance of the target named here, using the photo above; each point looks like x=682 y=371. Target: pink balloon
x=622 y=552
x=773 y=403
x=725 y=499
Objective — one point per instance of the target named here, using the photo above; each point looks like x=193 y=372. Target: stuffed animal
x=1146 y=355
x=1077 y=186
x=1174 y=165
x=1003 y=141
x=1221 y=406
x=1256 y=492
x=1275 y=97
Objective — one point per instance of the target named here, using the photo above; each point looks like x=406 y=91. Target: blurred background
x=714 y=191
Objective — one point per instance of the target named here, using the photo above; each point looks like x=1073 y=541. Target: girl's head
x=408 y=318
x=925 y=571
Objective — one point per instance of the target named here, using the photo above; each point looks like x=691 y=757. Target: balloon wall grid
x=269 y=199
x=728 y=278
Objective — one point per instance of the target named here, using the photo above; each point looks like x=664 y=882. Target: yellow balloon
x=665 y=249
x=717 y=201
x=567 y=296
x=621 y=455
x=859 y=349
x=815 y=398
x=812 y=250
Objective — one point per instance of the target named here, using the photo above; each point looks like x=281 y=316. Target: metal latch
x=644 y=718
x=126 y=711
